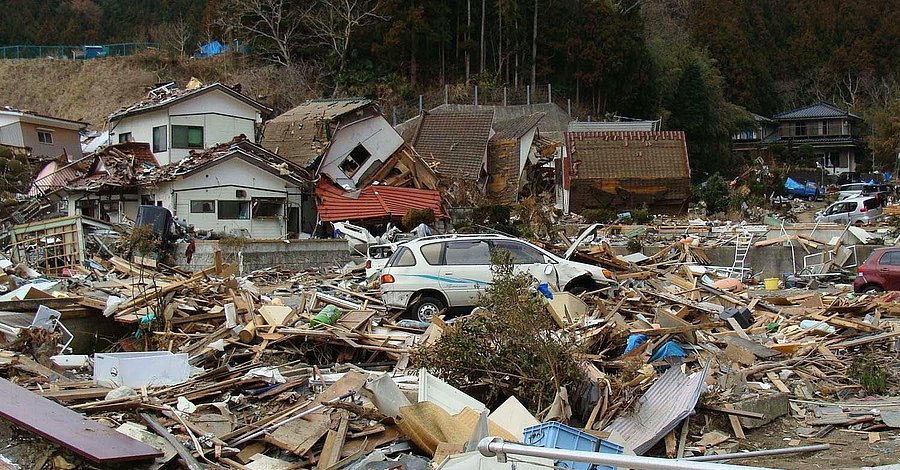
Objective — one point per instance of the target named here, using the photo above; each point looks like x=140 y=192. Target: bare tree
x=173 y=36
x=331 y=23
x=272 y=26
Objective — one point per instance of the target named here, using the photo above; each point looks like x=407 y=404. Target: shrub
x=511 y=349
x=641 y=215
x=715 y=193
x=599 y=216
x=414 y=217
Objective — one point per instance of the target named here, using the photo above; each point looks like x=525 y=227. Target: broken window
x=203 y=207
x=125 y=137
x=234 y=210
x=45 y=137
x=355 y=160
x=159 y=139
x=267 y=207
x=187 y=137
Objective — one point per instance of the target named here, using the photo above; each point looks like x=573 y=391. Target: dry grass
x=91 y=90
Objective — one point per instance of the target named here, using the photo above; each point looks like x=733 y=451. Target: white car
x=377 y=257
x=428 y=274
x=862 y=210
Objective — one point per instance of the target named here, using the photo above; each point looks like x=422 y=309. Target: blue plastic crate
x=553 y=435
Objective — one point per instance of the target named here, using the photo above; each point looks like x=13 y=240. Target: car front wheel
x=426 y=307
x=872 y=290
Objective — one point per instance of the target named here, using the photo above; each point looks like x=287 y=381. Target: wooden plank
x=777 y=382
x=334 y=442
x=735 y=423
x=69 y=429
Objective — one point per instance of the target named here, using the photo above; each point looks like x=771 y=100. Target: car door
x=888 y=269
x=830 y=214
x=849 y=212
x=527 y=259
x=465 y=271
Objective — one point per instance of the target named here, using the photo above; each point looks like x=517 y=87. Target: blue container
x=553 y=435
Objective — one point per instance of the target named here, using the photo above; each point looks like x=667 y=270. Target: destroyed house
x=46 y=136
x=236 y=188
x=517 y=159
x=625 y=170
x=455 y=145
x=347 y=140
x=108 y=190
x=375 y=204
x=176 y=121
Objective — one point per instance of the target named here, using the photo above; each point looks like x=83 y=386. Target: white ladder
x=742 y=243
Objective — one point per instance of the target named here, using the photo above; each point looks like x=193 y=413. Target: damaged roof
x=516 y=128
x=637 y=155
x=241 y=148
x=455 y=141
x=163 y=97
x=117 y=165
x=374 y=202
x=300 y=135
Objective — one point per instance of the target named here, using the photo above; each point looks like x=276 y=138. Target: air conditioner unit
x=240 y=193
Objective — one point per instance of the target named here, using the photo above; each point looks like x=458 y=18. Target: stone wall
x=294 y=255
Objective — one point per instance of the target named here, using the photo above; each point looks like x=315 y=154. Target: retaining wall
x=295 y=255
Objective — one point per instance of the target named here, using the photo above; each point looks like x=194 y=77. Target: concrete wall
x=296 y=255
x=772 y=261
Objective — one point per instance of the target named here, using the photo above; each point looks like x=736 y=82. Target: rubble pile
x=278 y=369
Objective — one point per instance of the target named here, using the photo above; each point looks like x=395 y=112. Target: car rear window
x=402 y=258
x=432 y=253
x=873 y=203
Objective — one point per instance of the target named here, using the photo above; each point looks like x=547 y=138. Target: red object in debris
x=880 y=271
x=374 y=202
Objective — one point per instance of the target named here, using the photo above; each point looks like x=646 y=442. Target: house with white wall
x=346 y=140
x=46 y=136
x=236 y=188
x=177 y=121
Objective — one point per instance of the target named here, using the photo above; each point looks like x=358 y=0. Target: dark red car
x=880 y=271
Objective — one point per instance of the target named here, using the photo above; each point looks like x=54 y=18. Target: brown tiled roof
x=516 y=128
x=456 y=141
x=300 y=134
x=639 y=155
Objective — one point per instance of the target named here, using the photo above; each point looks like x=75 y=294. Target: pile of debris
x=300 y=370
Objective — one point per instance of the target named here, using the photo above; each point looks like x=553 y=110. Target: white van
x=428 y=274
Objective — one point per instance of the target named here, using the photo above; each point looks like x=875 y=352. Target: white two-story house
x=46 y=136
x=175 y=121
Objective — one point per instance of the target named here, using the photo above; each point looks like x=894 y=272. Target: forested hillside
x=699 y=64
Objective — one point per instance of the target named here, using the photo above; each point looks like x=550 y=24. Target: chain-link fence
x=75 y=52
x=475 y=95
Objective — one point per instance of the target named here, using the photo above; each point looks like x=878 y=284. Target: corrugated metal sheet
x=374 y=202
x=668 y=401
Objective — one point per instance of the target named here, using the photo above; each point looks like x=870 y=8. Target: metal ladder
x=742 y=243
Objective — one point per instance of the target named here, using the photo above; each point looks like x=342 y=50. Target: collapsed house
x=235 y=188
x=518 y=158
x=357 y=156
x=626 y=170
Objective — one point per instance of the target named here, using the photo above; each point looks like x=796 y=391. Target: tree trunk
x=500 y=38
x=468 y=36
x=483 y=20
x=534 y=48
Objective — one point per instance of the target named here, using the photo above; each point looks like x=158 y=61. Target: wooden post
x=528 y=95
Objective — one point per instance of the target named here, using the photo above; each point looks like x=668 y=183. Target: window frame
x=440 y=253
x=128 y=137
x=160 y=143
x=279 y=202
x=187 y=143
x=212 y=202
x=240 y=209
x=47 y=133
x=394 y=261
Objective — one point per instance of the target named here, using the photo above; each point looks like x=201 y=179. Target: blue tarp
x=211 y=48
x=791 y=184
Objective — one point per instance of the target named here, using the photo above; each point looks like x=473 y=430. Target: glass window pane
x=234 y=210
x=521 y=253
x=402 y=258
x=203 y=207
x=467 y=252
x=432 y=253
